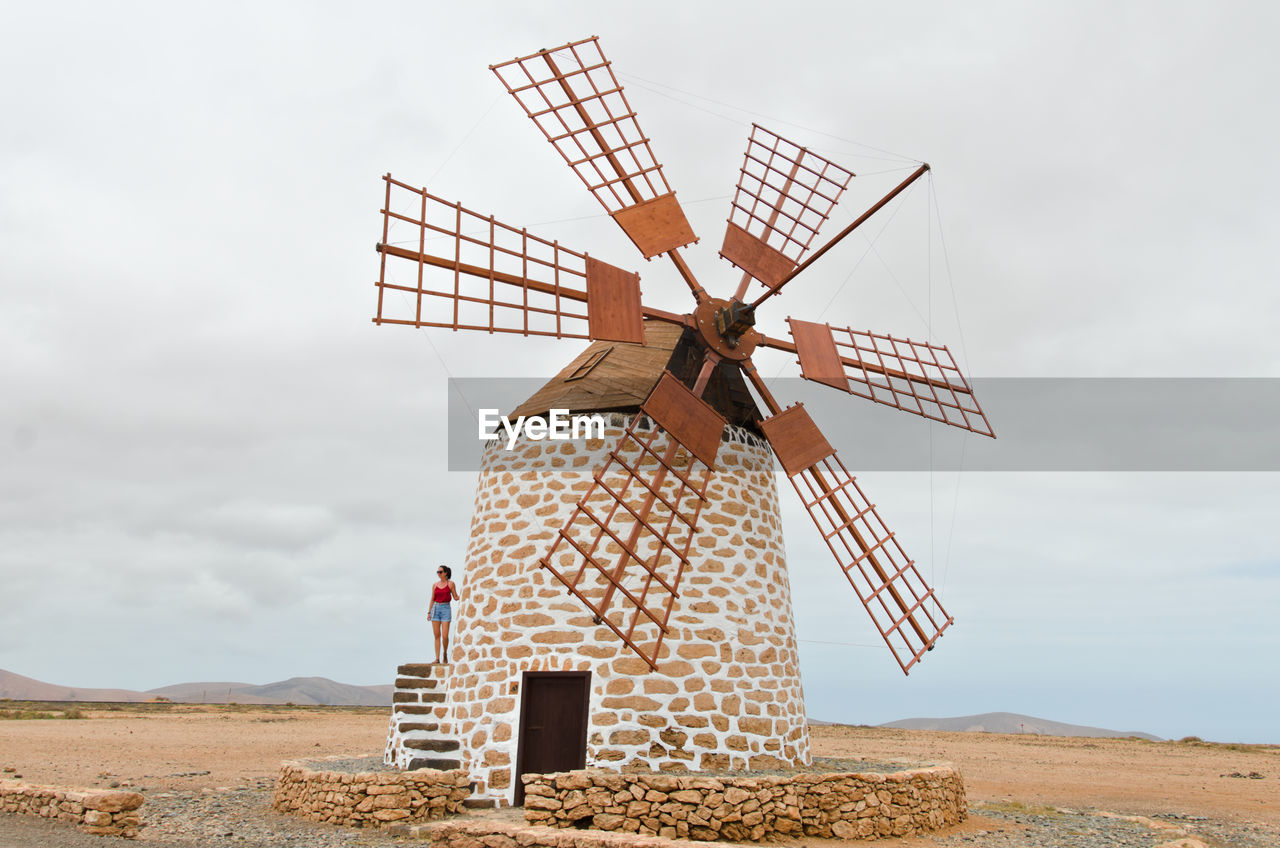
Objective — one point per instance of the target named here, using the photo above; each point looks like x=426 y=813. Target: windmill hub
x=726 y=327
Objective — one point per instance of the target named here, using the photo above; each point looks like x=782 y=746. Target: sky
x=213 y=466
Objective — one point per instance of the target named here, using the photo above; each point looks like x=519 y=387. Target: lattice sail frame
x=574 y=98
x=785 y=194
x=671 y=469
x=630 y=534
x=493 y=277
x=903 y=607
x=503 y=279
x=916 y=377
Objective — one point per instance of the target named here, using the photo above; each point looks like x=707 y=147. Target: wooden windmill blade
x=904 y=609
x=785 y=194
x=775 y=288
x=628 y=539
x=459 y=269
x=916 y=377
x=575 y=99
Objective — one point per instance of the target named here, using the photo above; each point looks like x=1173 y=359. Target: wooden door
x=553 y=723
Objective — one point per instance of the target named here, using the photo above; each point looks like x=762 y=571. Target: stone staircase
x=414 y=739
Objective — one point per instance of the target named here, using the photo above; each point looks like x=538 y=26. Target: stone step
x=433 y=763
x=423 y=696
x=418 y=727
x=437 y=745
x=417 y=683
x=480 y=803
x=437 y=670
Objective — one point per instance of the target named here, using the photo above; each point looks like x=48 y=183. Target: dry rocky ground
x=207 y=772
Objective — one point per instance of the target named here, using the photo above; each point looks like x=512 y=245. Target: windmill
x=631 y=534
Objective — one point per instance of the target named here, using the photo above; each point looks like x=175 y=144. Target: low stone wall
x=709 y=808
x=369 y=799
x=98 y=811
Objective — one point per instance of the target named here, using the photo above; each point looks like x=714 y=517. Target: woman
x=440 y=612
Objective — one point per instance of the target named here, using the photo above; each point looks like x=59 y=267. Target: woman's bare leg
x=435 y=627
x=445 y=630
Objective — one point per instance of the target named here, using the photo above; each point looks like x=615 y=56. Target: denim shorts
x=441 y=612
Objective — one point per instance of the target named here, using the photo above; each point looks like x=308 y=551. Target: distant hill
x=295 y=690
x=320 y=690
x=21 y=688
x=211 y=693
x=1012 y=723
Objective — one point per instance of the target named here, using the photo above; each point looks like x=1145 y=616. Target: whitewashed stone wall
x=727 y=694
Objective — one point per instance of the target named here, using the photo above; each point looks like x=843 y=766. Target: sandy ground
x=1121 y=775
x=193 y=747
x=185 y=747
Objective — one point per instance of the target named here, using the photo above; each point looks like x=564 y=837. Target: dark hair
x=448 y=572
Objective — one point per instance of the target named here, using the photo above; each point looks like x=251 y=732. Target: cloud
x=1253 y=570
x=209 y=454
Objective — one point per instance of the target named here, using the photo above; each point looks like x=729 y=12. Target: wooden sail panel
x=574 y=98
x=752 y=255
x=613 y=303
x=625 y=547
x=785 y=194
x=656 y=226
x=902 y=606
x=444 y=265
x=795 y=439
x=689 y=419
x=819 y=360
x=916 y=377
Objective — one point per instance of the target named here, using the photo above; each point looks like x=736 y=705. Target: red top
x=442 y=594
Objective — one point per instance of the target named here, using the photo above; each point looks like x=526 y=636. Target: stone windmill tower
x=626 y=602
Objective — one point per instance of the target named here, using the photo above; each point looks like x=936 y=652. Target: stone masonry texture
x=736 y=809
x=368 y=799
x=727 y=693
x=96 y=811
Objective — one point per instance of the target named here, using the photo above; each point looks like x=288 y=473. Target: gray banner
x=1123 y=424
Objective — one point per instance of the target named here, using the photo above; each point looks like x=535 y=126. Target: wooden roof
x=618 y=377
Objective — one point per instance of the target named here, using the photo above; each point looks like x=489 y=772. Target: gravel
x=1054 y=829
x=1049 y=827
x=349 y=765
x=821 y=765
x=242 y=817
x=1228 y=834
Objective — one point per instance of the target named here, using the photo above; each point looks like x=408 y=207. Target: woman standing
x=441 y=612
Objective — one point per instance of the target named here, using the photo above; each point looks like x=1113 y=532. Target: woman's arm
x=453 y=591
